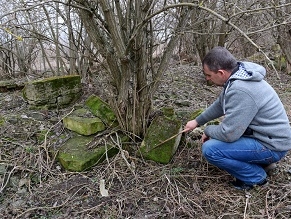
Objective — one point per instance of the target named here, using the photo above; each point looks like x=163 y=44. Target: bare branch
x=39 y=4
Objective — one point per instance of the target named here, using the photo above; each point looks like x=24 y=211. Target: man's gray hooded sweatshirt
x=249 y=106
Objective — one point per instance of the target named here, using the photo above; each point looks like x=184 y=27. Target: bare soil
x=34 y=185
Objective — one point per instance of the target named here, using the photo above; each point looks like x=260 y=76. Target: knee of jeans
x=207 y=151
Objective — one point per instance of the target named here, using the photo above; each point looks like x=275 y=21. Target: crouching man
x=255 y=131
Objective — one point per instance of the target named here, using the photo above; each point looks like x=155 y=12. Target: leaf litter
x=34 y=185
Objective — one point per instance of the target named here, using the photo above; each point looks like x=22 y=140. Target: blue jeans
x=244 y=159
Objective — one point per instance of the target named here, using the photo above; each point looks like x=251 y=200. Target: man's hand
x=191 y=125
x=204 y=138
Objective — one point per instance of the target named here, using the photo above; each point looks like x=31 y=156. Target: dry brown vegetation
x=33 y=185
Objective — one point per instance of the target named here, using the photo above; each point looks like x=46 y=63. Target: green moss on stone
x=196 y=113
x=102 y=110
x=57 y=82
x=82 y=112
x=83 y=126
x=75 y=156
x=168 y=112
x=54 y=91
x=160 y=129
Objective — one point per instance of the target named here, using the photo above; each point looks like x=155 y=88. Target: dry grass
x=33 y=185
x=186 y=188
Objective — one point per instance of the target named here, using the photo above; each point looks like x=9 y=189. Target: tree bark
x=127 y=48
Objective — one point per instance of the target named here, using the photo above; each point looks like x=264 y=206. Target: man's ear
x=221 y=72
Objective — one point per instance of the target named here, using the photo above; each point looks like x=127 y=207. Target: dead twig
x=123 y=153
x=4 y=183
x=248 y=196
x=174 y=136
x=49 y=207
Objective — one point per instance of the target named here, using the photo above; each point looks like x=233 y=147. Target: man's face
x=217 y=78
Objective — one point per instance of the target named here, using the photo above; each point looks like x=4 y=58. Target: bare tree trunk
x=285 y=44
x=127 y=47
x=284 y=33
x=55 y=35
x=84 y=61
x=207 y=30
x=72 y=46
x=45 y=58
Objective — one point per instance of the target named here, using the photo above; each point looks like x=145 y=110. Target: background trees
x=127 y=39
x=40 y=38
x=133 y=42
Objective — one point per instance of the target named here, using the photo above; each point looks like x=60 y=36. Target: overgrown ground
x=34 y=185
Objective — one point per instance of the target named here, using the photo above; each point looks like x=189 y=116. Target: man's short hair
x=219 y=58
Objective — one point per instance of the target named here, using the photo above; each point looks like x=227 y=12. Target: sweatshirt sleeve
x=240 y=109
x=214 y=111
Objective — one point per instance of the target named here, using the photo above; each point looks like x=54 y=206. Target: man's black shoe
x=240 y=185
x=270 y=169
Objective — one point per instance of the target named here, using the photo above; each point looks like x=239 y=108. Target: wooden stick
x=174 y=136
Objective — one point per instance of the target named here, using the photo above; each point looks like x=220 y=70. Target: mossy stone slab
x=102 y=110
x=196 y=113
x=58 y=91
x=14 y=84
x=200 y=111
x=161 y=128
x=75 y=156
x=82 y=125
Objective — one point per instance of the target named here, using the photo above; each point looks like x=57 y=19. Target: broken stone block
x=83 y=126
x=200 y=111
x=75 y=156
x=58 y=91
x=102 y=110
x=196 y=113
x=83 y=122
x=10 y=85
x=161 y=129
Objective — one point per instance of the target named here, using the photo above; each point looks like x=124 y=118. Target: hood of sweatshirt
x=249 y=71
x=246 y=71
